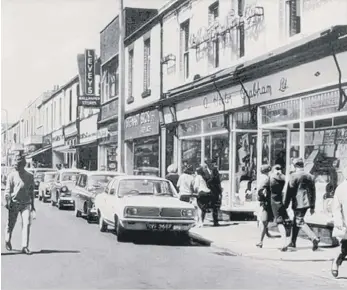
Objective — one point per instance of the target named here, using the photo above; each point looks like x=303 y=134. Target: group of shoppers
x=200 y=186
x=301 y=193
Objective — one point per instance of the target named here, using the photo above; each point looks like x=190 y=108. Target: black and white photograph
x=173 y=144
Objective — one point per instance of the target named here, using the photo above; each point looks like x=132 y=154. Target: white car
x=46 y=184
x=142 y=203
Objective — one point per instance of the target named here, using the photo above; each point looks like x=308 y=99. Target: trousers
x=342 y=252
x=24 y=210
x=299 y=223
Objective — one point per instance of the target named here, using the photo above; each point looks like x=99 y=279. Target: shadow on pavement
x=163 y=239
x=41 y=252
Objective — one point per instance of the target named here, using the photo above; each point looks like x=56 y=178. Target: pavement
x=70 y=253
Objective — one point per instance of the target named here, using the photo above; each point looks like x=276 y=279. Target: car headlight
x=64 y=189
x=131 y=211
x=188 y=212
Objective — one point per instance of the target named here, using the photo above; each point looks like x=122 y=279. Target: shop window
x=217 y=147
x=169 y=146
x=147 y=65
x=191 y=152
x=294 y=16
x=130 y=73
x=146 y=154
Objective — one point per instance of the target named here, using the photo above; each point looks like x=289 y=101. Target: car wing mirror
x=112 y=191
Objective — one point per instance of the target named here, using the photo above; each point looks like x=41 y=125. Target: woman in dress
x=185 y=183
x=340 y=224
x=281 y=218
x=264 y=197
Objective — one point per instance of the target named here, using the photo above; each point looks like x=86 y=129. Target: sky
x=40 y=40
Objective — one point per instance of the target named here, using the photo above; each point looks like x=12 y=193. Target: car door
x=76 y=193
x=100 y=199
x=111 y=202
x=83 y=190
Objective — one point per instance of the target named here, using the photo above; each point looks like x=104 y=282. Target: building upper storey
x=201 y=37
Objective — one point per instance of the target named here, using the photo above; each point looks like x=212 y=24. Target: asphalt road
x=70 y=253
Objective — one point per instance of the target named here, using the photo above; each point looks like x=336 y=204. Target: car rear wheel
x=77 y=213
x=40 y=197
x=52 y=203
x=102 y=224
x=60 y=207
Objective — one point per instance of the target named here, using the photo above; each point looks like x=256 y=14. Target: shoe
x=315 y=243
x=292 y=245
x=284 y=249
x=8 y=246
x=334 y=272
x=26 y=251
x=259 y=245
x=216 y=224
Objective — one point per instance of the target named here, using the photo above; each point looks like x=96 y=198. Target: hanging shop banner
x=279 y=112
x=87 y=66
x=89 y=129
x=58 y=138
x=142 y=125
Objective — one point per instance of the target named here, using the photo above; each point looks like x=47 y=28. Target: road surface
x=70 y=253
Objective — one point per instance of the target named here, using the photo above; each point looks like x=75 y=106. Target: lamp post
x=121 y=99
x=4 y=110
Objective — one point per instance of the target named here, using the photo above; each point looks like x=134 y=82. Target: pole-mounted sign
x=90 y=72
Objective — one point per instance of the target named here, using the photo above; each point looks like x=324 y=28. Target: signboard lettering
x=90 y=69
x=142 y=125
x=88 y=129
x=58 y=138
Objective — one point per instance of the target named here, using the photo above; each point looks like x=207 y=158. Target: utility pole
x=121 y=98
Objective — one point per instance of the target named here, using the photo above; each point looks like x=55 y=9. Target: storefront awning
x=38 y=152
x=89 y=144
x=65 y=149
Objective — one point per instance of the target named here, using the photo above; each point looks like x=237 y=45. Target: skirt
x=265 y=213
x=279 y=211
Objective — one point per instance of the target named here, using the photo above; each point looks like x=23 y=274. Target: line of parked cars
x=129 y=203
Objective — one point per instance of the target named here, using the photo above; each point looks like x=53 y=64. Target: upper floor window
x=294 y=17
x=213 y=14
x=110 y=80
x=60 y=112
x=130 y=73
x=241 y=29
x=147 y=64
x=70 y=105
x=184 y=45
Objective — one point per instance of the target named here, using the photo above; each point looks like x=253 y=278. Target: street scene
x=177 y=144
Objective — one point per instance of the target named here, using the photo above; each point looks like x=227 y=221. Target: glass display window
x=191 y=152
x=146 y=154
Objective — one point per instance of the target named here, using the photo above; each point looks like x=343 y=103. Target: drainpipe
x=161 y=57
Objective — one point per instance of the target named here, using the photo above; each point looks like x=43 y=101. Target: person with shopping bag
x=340 y=224
x=20 y=198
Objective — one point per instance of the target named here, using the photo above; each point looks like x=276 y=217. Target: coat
x=213 y=181
x=301 y=191
x=340 y=211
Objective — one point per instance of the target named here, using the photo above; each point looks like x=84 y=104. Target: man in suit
x=301 y=192
x=212 y=178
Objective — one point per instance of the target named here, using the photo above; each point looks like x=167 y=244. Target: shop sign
x=88 y=129
x=270 y=88
x=31 y=148
x=142 y=125
x=58 y=138
x=102 y=133
x=109 y=110
x=47 y=140
x=70 y=130
x=322 y=104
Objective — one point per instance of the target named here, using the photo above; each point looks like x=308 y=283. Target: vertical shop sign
x=90 y=69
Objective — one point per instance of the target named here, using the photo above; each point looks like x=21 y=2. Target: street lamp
x=4 y=110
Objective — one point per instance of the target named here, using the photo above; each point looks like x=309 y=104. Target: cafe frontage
x=266 y=111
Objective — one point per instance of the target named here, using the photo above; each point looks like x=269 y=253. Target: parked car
x=142 y=203
x=61 y=189
x=38 y=176
x=88 y=186
x=46 y=185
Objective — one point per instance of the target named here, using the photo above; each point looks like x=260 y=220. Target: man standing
x=301 y=192
x=214 y=184
x=19 y=195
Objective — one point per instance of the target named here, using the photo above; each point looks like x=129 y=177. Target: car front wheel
x=102 y=224
x=120 y=231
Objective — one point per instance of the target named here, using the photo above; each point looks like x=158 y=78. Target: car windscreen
x=145 y=187
x=69 y=176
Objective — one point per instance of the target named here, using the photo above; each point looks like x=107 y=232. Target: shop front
x=58 y=142
x=69 y=150
x=87 y=149
x=142 y=146
x=107 y=136
x=40 y=155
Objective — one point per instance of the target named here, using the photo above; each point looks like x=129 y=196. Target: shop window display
x=146 y=155
x=191 y=152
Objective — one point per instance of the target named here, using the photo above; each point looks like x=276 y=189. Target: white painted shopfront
x=201 y=129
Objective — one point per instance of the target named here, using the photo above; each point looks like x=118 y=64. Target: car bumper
x=66 y=201
x=157 y=225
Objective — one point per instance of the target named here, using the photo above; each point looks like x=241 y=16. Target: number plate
x=159 y=227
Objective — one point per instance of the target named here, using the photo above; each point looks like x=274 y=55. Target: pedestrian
x=172 y=175
x=264 y=197
x=301 y=192
x=281 y=218
x=203 y=195
x=340 y=224
x=20 y=197
x=185 y=183
x=212 y=178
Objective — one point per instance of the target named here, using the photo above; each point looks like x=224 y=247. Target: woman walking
x=203 y=195
x=264 y=197
x=185 y=183
x=281 y=218
x=340 y=224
